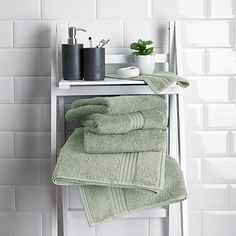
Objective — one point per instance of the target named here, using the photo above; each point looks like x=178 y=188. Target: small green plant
x=141 y=47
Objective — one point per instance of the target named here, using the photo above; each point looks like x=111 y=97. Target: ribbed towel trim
x=137 y=120
x=118 y=200
x=127 y=167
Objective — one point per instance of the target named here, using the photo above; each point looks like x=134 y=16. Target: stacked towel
x=114 y=105
x=143 y=170
x=125 y=122
x=119 y=158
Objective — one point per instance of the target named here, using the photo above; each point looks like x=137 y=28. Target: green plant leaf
x=134 y=46
x=140 y=41
x=148 y=42
x=149 y=50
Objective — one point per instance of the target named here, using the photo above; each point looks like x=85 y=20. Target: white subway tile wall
x=208 y=36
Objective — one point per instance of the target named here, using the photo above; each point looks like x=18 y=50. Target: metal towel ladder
x=63 y=89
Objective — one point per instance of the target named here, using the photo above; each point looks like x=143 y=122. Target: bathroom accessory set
x=82 y=63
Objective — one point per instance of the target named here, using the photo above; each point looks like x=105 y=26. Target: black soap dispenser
x=71 y=56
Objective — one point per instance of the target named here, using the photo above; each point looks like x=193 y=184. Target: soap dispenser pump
x=71 y=56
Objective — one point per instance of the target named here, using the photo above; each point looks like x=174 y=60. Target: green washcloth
x=159 y=81
x=114 y=105
x=124 y=123
x=144 y=170
x=133 y=141
x=104 y=203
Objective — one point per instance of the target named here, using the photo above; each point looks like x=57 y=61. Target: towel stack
x=118 y=159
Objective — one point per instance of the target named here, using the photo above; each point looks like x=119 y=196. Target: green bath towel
x=104 y=203
x=114 y=105
x=133 y=141
x=159 y=81
x=123 y=123
x=143 y=170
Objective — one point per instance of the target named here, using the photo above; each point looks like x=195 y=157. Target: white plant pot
x=146 y=63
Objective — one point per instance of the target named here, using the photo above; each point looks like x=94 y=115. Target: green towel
x=133 y=141
x=159 y=81
x=123 y=123
x=103 y=203
x=144 y=170
x=114 y=105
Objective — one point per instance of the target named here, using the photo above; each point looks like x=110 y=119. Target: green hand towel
x=133 y=141
x=104 y=203
x=114 y=105
x=144 y=170
x=159 y=81
x=123 y=123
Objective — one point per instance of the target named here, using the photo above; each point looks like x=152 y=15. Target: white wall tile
x=207 y=143
x=154 y=30
x=6 y=90
x=6 y=36
x=45 y=172
x=20 y=61
x=47 y=224
x=32 y=90
x=7 y=198
x=19 y=172
x=33 y=198
x=158 y=226
x=206 y=34
x=46 y=117
x=124 y=227
x=193 y=116
x=122 y=9
x=32 y=33
x=193 y=61
x=222 y=9
x=193 y=170
x=75 y=9
x=80 y=227
x=32 y=145
x=233 y=196
x=208 y=197
x=201 y=89
x=45 y=62
x=221 y=116
x=219 y=223
x=222 y=61
x=24 y=9
x=98 y=30
x=6 y=145
x=21 y=224
x=233 y=143
x=178 y=8
x=74 y=198
x=195 y=223
x=20 y=117
x=219 y=170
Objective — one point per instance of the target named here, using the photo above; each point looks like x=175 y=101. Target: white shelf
x=108 y=86
x=67 y=84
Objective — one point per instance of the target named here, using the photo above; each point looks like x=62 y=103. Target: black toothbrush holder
x=93 y=63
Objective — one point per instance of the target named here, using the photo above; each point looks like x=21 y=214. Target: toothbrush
x=104 y=43
x=90 y=42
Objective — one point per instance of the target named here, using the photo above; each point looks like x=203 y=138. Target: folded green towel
x=159 y=81
x=144 y=170
x=133 y=141
x=114 y=105
x=104 y=203
x=123 y=123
